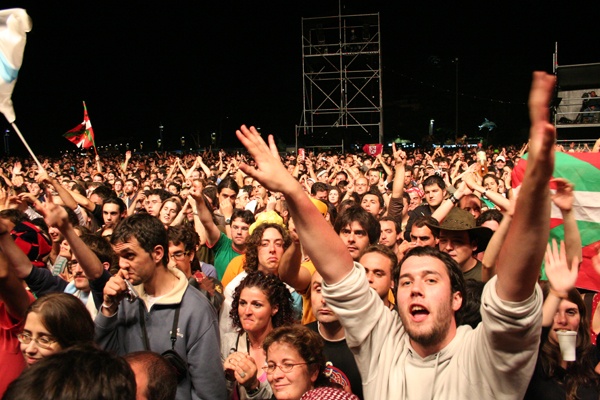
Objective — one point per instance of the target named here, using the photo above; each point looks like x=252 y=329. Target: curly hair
x=254 y=240
x=275 y=291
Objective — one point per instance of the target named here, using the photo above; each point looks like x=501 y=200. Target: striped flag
x=83 y=134
x=583 y=170
x=14 y=24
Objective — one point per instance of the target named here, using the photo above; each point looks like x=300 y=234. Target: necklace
x=325 y=337
x=248 y=343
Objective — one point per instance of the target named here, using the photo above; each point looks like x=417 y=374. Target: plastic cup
x=567 y=341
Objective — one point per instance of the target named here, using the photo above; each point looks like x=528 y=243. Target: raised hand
x=542 y=134
x=226 y=207
x=16 y=168
x=561 y=277
x=53 y=214
x=43 y=176
x=563 y=198
x=195 y=191
x=399 y=155
x=268 y=170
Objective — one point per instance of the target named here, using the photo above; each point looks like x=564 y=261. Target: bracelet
x=104 y=305
x=453 y=199
x=484 y=193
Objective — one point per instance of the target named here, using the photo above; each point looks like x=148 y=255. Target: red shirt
x=12 y=362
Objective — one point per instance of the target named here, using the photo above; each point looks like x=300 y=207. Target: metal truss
x=341 y=73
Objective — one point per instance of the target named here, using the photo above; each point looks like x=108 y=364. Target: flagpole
x=26 y=145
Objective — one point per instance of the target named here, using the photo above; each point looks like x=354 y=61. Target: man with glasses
x=183 y=243
x=361 y=185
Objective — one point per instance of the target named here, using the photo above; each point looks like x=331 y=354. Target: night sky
x=202 y=67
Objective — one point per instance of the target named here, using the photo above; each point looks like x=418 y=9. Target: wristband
x=453 y=199
x=104 y=305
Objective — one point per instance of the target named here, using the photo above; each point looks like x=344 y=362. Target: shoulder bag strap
x=143 y=325
x=174 y=329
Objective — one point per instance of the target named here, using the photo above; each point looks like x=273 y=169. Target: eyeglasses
x=178 y=255
x=285 y=367
x=43 y=342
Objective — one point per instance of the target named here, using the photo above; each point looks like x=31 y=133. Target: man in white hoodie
x=421 y=353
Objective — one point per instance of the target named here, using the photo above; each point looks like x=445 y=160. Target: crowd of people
x=261 y=275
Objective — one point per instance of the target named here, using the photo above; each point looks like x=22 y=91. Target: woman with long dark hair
x=564 y=310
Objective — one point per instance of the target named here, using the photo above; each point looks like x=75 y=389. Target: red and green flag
x=583 y=170
x=83 y=134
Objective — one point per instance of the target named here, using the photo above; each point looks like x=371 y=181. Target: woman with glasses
x=53 y=323
x=295 y=365
x=261 y=302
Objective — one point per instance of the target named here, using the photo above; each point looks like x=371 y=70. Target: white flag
x=14 y=24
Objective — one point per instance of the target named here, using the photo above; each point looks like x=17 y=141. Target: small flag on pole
x=83 y=134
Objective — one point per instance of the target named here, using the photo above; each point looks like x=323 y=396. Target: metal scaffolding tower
x=341 y=72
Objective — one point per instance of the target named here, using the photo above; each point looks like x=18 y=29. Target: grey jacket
x=197 y=336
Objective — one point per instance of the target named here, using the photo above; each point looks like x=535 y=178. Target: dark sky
x=202 y=67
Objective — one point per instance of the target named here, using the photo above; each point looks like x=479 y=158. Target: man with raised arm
x=420 y=352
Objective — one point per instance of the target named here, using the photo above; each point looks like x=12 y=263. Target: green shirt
x=224 y=253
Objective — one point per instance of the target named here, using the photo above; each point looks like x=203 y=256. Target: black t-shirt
x=339 y=354
x=547 y=387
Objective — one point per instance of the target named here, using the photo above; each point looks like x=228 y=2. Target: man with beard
x=130 y=191
x=420 y=352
